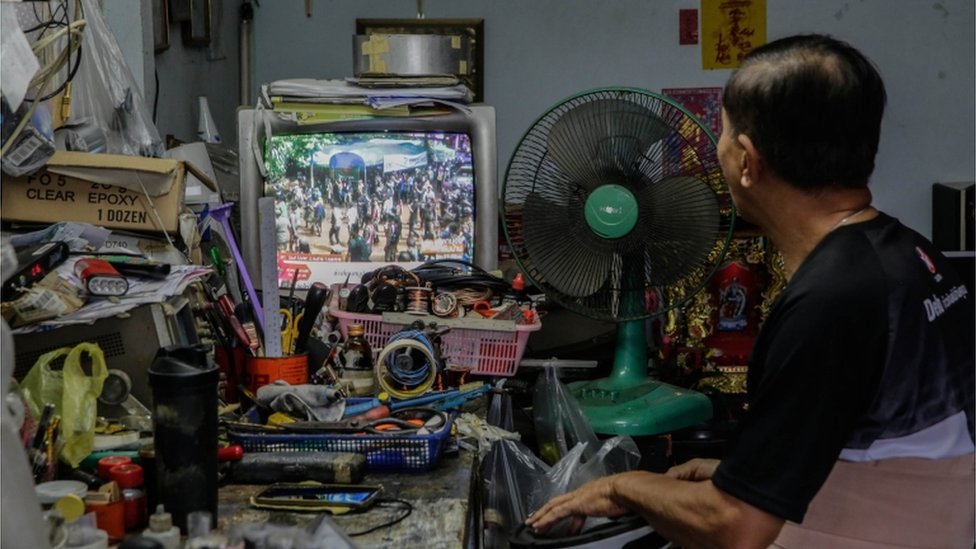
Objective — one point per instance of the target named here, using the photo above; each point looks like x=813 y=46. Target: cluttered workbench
x=439 y=512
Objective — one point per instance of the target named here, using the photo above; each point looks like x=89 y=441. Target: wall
x=539 y=52
x=186 y=73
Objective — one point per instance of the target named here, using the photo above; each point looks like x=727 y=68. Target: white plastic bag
x=559 y=421
x=105 y=94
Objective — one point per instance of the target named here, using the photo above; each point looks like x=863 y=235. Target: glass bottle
x=357 y=363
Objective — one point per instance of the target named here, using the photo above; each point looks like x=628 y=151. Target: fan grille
x=660 y=153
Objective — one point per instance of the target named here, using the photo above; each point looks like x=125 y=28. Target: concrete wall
x=539 y=52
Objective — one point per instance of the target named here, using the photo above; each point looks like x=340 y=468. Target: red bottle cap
x=518 y=283
x=106 y=463
x=128 y=475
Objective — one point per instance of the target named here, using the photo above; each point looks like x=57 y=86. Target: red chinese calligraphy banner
x=729 y=30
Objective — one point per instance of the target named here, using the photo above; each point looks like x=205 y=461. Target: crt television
x=355 y=195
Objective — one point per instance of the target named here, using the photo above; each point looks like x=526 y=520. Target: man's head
x=812 y=107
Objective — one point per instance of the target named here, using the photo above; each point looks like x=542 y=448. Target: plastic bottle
x=129 y=477
x=206 y=128
x=162 y=530
x=200 y=534
x=357 y=372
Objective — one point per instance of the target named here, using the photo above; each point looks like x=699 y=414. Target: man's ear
x=751 y=162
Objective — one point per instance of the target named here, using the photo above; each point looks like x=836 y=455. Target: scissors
x=289 y=329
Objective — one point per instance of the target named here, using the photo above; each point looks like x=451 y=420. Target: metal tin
x=411 y=54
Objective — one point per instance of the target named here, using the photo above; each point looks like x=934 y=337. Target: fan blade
x=680 y=218
x=603 y=139
x=556 y=247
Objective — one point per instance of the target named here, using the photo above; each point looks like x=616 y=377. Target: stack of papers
x=141 y=291
x=308 y=90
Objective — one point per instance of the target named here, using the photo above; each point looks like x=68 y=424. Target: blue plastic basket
x=392 y=453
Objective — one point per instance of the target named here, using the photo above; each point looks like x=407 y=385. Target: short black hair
x=812 y=105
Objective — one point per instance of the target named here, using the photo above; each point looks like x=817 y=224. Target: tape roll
x=383 y=372
x=84 y=137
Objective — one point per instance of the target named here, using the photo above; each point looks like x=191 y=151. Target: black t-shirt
x=871 y=339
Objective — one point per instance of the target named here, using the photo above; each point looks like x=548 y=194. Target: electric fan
x=615 y=206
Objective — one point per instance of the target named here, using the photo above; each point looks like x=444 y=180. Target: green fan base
x=649 y=408
x=627 y=402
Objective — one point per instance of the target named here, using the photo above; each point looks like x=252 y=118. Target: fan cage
x=660 y=265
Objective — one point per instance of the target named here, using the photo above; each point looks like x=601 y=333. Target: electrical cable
x=385 y=502
x=156 y=97
x=46 y=74
x=399 y=373
x=72 y=71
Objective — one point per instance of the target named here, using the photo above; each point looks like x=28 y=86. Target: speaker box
x=953 y=209
x=129 y=343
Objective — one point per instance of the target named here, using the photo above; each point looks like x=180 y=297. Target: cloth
x=871 y=341
x=311 y=402
x=876 y=504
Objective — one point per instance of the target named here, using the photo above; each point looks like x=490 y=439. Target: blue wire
x=416 y=375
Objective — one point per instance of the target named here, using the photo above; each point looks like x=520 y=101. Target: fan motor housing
x=611 y=211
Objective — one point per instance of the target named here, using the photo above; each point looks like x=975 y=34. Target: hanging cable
x=47 y=74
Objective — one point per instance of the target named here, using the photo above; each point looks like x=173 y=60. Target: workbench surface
x=439 y=499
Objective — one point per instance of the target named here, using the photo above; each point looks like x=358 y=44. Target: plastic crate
x=384 y=453
x=485 y=352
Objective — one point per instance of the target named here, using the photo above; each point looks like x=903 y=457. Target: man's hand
x=594 y=499
x=694 y=470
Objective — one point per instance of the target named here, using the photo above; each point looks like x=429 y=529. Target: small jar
x=130 y=479
x=106 y=463
x=357 y=363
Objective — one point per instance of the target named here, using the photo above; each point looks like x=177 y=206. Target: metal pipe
x=246 y=57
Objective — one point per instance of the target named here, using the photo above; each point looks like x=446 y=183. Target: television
x=355 y=195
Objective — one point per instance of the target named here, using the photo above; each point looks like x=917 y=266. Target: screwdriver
x=314 y=301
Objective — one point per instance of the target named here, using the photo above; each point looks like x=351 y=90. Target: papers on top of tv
x=310 y=90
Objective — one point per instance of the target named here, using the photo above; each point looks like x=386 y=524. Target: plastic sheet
x=106 y=95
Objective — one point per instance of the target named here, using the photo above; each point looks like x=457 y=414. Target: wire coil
x=418 y=300
x=407 y=366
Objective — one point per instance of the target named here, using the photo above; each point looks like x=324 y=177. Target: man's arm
x=688 y=513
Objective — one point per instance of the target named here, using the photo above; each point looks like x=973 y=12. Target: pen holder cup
x=264 y=370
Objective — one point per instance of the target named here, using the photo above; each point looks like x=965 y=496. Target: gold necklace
x=848 y=218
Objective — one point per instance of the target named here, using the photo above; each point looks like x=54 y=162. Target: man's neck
x=796 y=221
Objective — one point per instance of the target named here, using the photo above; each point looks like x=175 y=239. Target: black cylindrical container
x=184 y=390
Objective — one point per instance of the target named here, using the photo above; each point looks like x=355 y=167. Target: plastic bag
x=105 y=93
x=518 y=482
x=73 y=393
x=559 y=421
x=616 y=455
x=512 y=476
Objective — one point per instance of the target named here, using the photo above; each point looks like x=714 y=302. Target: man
x=860 y=424
x=359 y=248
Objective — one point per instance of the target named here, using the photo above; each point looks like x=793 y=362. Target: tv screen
x=347 y=203
x=355 y=167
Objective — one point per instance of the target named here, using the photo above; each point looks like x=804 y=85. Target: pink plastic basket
x=485 y=352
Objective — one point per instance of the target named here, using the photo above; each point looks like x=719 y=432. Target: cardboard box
x=113 y=191
x=196 y=190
